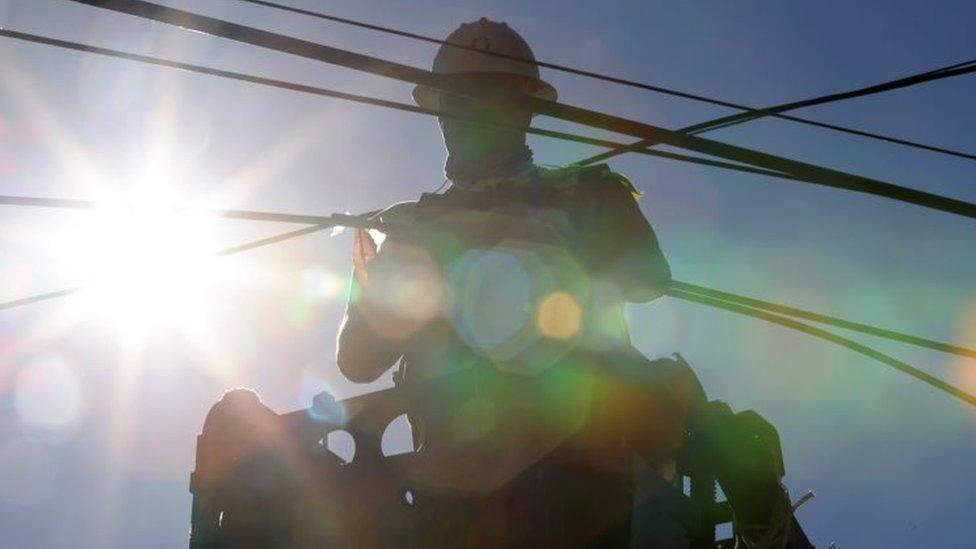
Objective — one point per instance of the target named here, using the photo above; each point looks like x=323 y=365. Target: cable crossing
x=859 y=348
x=366 y=100
x=749 y=113
x=318 y=223
x=762 y=310
x=755 y=161
x=381 y=67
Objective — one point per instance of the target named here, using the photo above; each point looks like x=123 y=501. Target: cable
x=371 y=101
x=74 y=204
x=829 y=336
x=292 y=218
x=822 y=318
x=381 y=67
x=224 y=252
x=579 y=115
x=39 y=297
x=731 y=120
x=673 y=292
x=749 y=114
x=366 y=100
x=318 y=223
x=945 y=72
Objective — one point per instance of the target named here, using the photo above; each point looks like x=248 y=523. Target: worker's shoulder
x=399 y=213
x=587 y=180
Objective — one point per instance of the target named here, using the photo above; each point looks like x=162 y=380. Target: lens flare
x=964 y=371
x=490 y=292
x=474 y=419
x=321 y=284
x=406 y=288
x=559 y=316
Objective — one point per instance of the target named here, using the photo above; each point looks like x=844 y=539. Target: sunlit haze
x=103 y=392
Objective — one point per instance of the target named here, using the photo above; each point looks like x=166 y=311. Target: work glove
x=743 y=451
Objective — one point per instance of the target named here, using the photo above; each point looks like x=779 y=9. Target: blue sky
x=97 y=448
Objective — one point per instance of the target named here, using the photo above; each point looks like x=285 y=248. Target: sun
x=145 y=267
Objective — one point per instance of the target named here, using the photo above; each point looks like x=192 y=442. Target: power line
x=373 y=65
x=75 y=204
x=324 y=92
x=292 y=218
x=39 y=297
x=224 y=252
x=673 y=292
x=731 y=120
x=596 y=119
x=750 y=113
x=366 y=220
x=829 y=336
x=824 y=319
x=957 y=69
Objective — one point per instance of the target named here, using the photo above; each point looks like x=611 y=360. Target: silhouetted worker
x=504 y=299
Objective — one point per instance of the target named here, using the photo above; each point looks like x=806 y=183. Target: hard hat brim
x=430 y=98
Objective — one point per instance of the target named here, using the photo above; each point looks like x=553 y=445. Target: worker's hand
x=363 y=251
x=744 y=452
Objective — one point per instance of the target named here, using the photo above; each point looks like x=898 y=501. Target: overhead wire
x=823 y=319
x=356 y=98
x=957 y=69
x=381 y=67
x=265 y=216
x=601 y=120
x=675 y=291
x=76 y=204
x=318 y=223
x=224 y=252
x=14 y=303
x=739 y=118
x=860 y=348
x=750 y=113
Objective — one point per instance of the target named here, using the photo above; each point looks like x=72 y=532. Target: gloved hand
x=743 y=451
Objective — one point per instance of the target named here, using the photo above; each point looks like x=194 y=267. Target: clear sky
x=99 y=407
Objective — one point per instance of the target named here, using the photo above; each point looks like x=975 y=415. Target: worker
x=503 y=298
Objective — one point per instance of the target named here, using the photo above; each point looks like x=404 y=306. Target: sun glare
x=146 y=267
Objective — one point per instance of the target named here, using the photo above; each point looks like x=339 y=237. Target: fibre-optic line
x=749 y=114
x=373 y=65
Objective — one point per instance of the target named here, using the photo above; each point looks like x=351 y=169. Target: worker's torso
x=515 y=332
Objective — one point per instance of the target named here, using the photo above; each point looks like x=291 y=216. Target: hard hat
x=490 y=36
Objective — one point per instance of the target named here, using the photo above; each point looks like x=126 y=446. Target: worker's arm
x=620 y=241
x=744 y=451
x=362 y=352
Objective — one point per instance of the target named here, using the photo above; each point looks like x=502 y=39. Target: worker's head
x=487 y=123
